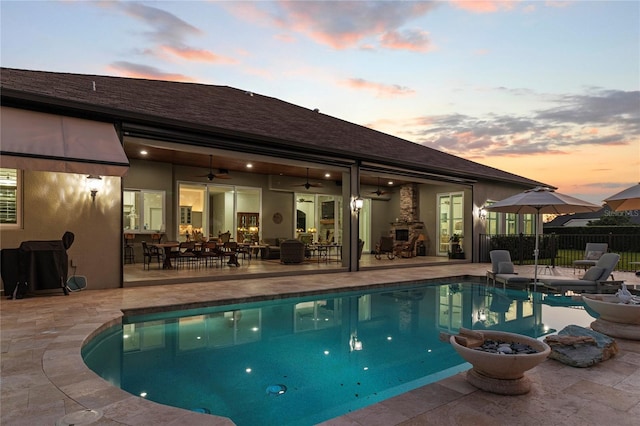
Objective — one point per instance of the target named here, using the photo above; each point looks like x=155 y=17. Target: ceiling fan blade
x=308 y=184
x=378 y=191
x=222 y=174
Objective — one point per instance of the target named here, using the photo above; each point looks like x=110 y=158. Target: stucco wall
x=57 y=202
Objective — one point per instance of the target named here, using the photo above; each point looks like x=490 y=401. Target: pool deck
x=43 y=377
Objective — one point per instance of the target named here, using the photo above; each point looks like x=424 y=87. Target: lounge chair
x=502 y=270
x=592 y=280
x=592 y=253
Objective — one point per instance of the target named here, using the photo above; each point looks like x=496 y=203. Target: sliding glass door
x=206 y=211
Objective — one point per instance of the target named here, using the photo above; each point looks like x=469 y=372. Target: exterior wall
x=483 y=191
x=57 y=202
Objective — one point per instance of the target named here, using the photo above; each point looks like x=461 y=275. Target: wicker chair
x=292 y=251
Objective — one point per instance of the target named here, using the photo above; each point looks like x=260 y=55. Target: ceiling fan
x=308 y=185
x=378 y=191
x=222 y=173
x=302 y=200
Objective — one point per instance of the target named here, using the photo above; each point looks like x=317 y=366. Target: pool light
x=276 y=389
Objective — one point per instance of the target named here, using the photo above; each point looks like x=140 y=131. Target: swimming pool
x=301 y=361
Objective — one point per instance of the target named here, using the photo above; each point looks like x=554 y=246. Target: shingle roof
x=222 y=110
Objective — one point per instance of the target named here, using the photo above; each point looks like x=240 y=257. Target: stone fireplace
x=407 y=224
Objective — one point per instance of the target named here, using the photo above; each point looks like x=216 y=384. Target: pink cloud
x=381 y=89
x=341 y=25
x=201 y=55
x=417 y=41
x=483 y=6
x=128 y=69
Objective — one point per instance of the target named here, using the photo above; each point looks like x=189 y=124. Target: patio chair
x=502 y=270
x=592 y=252
x=592 y=281
x=149 y=253
x=210 y=253
x=385 y=246
x=292 y=251
x=407 y=248
x=187 y=254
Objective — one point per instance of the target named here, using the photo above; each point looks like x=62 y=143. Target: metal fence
x=561 y=250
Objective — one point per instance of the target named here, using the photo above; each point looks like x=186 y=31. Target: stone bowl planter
x=616 y=319
x=501 y=373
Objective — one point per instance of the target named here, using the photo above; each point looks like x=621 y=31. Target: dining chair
x=210 y=252
x=230 y=251
x=150 y=253
x=186 y=253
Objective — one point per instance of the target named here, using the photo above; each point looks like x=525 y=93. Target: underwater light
x=276 y=389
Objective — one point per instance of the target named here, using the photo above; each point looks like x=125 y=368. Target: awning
x=55 y=143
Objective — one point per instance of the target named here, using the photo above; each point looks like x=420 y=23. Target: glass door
x=450 y=223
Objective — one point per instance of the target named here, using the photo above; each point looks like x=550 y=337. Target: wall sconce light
x=356 y=204
x=482 y=213
x=94 y=184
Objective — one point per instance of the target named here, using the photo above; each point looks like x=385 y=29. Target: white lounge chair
x=592 y=280
x=592 y=253
x=502 y=270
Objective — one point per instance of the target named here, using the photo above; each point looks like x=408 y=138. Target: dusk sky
x=549 y=90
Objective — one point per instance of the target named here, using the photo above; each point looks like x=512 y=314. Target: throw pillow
x=593 y=274
x=505 y=268
x=594 y=255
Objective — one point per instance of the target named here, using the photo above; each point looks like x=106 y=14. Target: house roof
x=589 y=216
x=222 y=111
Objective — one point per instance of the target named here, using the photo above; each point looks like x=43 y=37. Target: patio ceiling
x=238 y=162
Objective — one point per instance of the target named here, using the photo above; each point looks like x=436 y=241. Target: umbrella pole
x=535 y=254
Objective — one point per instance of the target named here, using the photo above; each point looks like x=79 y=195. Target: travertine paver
x=43 y=377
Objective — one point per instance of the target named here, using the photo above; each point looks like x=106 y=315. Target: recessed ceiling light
x=249 y=165
x=390 y=182
x=143 y=152
x=327 y=175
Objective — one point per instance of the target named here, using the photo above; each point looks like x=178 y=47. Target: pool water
x=305 y=360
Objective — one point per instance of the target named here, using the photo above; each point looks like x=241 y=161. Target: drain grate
x=78 y=418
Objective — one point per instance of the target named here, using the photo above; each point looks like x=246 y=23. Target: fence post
x=553 y=249
x=610 y=243
x=521 y=248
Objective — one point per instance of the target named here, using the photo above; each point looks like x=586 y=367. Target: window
x=143 y=210
x=492 y=221
x=10 y=200
x=528 y=223
x=511 y=220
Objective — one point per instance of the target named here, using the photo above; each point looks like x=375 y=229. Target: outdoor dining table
x=167 y=252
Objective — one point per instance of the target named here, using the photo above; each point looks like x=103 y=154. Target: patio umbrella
x=629 y=199
x=541 y=200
